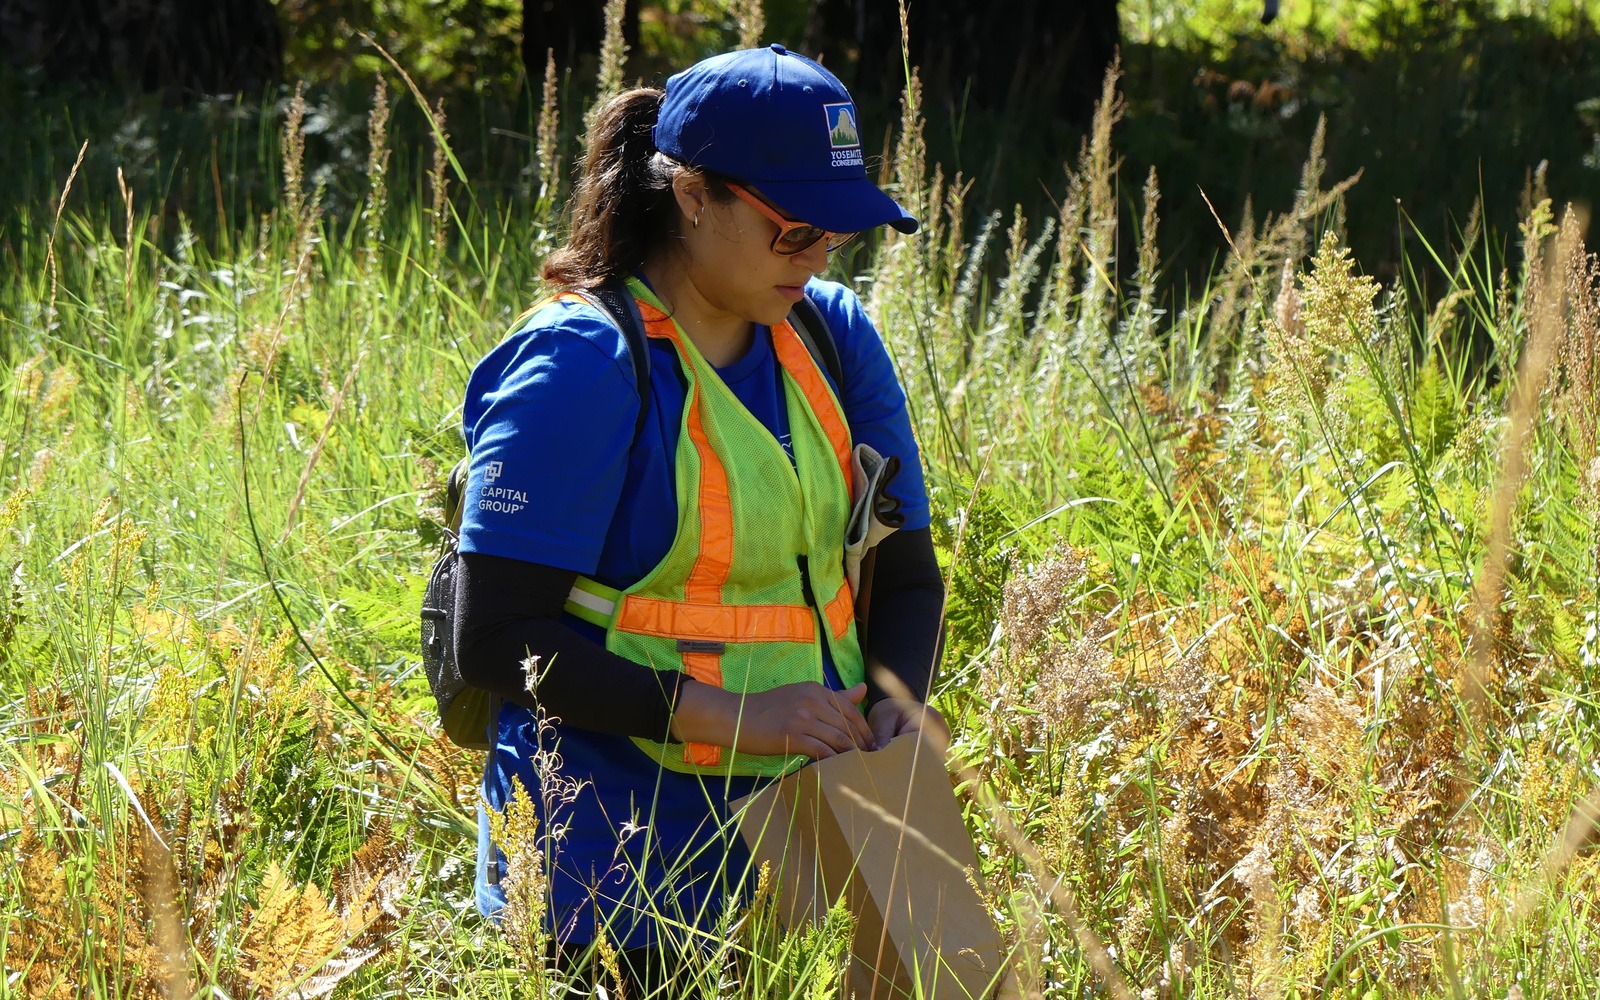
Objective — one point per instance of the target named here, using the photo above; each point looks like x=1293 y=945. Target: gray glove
x=874 y=514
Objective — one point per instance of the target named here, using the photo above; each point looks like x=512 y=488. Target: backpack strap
x=614 y=300
x=455 y=486
x=809 y=323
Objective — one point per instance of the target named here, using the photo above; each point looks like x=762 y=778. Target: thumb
x=857 y=694
x=885 y=726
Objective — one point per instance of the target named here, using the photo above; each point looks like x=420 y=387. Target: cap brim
x=838 y=206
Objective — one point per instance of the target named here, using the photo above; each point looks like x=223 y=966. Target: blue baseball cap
x=782 y=124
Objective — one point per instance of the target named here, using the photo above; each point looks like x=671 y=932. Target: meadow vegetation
x=1273 y=624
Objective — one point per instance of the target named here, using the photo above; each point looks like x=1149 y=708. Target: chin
x=772 y=315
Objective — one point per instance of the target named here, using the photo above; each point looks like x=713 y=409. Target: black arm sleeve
x=508 y=610
x=906 y=629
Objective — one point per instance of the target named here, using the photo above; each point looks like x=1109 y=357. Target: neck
x=721 y=337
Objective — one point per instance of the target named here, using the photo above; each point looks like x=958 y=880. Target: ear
x=689 y=188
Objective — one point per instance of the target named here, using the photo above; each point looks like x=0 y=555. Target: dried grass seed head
x=1034 y=600
x=1338 y=302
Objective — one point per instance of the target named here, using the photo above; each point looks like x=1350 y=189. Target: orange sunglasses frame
x=787 y=226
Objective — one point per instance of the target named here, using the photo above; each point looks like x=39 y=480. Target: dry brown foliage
x=1281 y=796
x=158 y=897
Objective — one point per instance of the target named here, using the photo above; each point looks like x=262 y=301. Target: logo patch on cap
x=843 y=135
x=842 y=132
x=842 y=125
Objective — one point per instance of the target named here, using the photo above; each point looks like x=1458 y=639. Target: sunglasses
x=793 y=237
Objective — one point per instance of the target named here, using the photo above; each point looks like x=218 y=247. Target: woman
x=710 y=644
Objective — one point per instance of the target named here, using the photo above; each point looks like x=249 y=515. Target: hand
x=893 y=717
x=805 y=718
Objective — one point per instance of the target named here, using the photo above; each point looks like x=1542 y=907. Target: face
x=731 y=262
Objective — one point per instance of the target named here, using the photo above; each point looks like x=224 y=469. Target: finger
x=835 y=738
x=853 y=727
x=855 y=722
x=885 y=727
x=856 y=694
x=917 y=717
x=809 y=747
x=911 y=719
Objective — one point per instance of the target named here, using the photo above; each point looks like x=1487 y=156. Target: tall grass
x=1273 y=620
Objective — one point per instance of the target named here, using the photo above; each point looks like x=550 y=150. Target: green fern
x=387 y=611
x=1435 y=412
x=982 y=553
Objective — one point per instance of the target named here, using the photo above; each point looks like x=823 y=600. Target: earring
x=696 y=219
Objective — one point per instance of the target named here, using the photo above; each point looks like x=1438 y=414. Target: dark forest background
x=1447 y=111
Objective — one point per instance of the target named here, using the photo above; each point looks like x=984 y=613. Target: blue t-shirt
x=559 y=478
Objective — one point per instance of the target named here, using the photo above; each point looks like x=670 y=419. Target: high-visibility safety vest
x=754 y=580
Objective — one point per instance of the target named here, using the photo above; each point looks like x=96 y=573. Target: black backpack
x=467 y=713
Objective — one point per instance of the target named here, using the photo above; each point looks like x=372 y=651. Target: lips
x=794 y=293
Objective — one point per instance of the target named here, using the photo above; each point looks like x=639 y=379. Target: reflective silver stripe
x=593 y=602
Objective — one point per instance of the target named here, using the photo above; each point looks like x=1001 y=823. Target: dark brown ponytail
x=624 y=206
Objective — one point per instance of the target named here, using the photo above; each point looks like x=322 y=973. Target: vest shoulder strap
x=614 y=300
x=809 y=323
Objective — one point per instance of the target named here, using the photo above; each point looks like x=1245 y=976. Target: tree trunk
x=1047 y=55
x=570 y=30
x=195 y=46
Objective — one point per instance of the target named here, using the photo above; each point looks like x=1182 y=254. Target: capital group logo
x=492 y=472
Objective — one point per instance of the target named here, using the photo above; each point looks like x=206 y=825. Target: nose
x=813 y=258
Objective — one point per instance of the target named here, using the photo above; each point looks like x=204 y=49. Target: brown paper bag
x=834 y=830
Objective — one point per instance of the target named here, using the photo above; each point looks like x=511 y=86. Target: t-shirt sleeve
x=874 y=403
x=549 y=418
